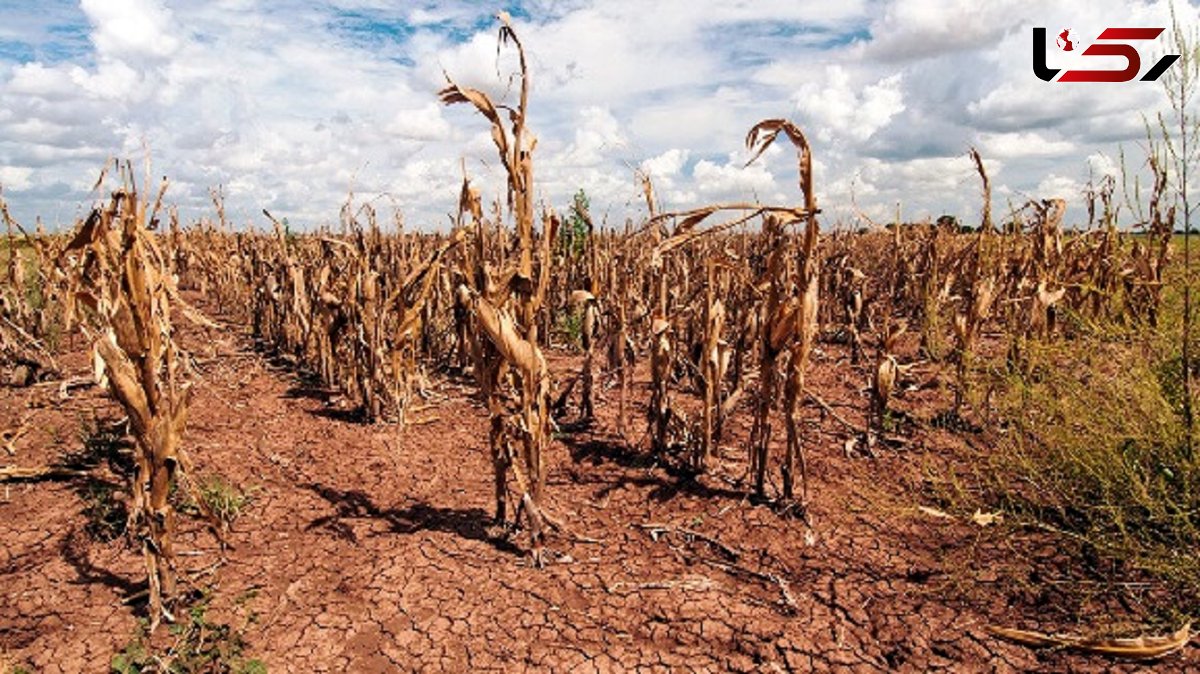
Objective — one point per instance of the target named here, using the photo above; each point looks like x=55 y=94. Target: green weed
x=199 y=645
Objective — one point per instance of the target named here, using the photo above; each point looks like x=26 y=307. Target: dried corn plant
x=853 y=304
x=714 y=361
x=801 y=349
x=32 y=320
x=621 y=355
x=986 y=225
x=977 y=308
x=360 y=309
x=580 y=283
x=883 y=381
x=509 y=317
x=588 y=305
x=778 y=322
x=123 y=298
x=788 y=322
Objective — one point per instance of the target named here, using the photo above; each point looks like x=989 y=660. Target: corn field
x=688 y=324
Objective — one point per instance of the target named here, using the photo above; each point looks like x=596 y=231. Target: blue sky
x=294 y=105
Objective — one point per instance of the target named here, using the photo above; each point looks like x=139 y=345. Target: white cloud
x=290 y=105
x=597 y=135
x=837 y=110
x=15 y=177
x=1059 y=187
x=35 y=79
x=733 y=180
x=912 y=30
x=667 y=165
x=424 y=123
x=133 y=28
x=1016 y=144
x=1102 y=165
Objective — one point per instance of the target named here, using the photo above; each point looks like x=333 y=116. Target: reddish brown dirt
x=368 y=550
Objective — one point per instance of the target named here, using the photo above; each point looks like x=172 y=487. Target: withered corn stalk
x=967 y=325
x=778 y=321
x=508 y=317
x=714 y=361
x=801 y=349
x=620 y=345
x=853 y=306
x=123 y=297
x=790 y=323
x=357 y=310
x=986 y=225
x=31 y=315
x=586 y=303
x=658 y=412
x=662 y=416
x=887 y=369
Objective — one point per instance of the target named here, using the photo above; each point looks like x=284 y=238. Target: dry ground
x=367 y=550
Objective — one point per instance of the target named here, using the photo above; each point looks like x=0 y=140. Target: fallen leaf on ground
x=934 y=512
x=984 y=519
x=1137 y=648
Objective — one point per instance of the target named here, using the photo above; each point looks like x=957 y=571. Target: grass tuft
x=199 y=645
x=1093 y=446
x=223 y=499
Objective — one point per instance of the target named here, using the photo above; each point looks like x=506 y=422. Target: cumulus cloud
x=131 y=28
x=667 y=165
x=423 y=123
x=731 y=179
x=291 y=105
x=914 y=30
x=15 y=177
x=597 y=135
x=1101 y=165
x=841 y=109
x=1055 y=186
x=1018 y=144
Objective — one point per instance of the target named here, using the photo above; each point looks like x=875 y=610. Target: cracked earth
x=365 y=549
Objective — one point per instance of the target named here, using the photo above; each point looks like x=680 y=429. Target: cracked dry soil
x=368 y=550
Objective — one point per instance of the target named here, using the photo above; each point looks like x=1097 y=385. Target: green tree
x=575 y=232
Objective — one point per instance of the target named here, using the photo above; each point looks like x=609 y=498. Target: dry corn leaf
x=98 y=370
x=648 y=192
x=763 y=134
x=123 y=380
x=934 y=512
x=1047 y=299
x=500 y=329
x=784 y=324
x=985 y=519
x=696 y=217
x=1137 y=648
x=885 y=377
x=87 y=234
